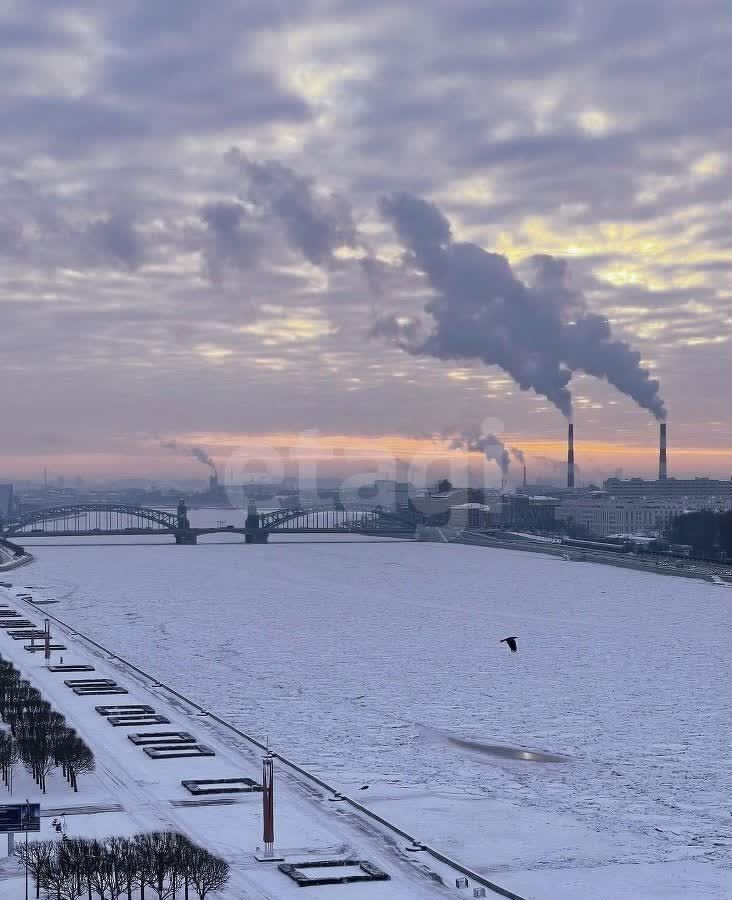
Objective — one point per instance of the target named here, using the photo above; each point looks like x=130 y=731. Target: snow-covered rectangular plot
x=199 y=787
x=136 y=721
x=178 y=752
x=161 y=737
x=89 y=682
x=39 y=648
x=99 y=691
x=321 y=872
x=334 y=874
x=79 y=667
x=136 y=710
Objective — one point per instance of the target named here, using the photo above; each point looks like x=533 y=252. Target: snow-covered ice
x=362 y=659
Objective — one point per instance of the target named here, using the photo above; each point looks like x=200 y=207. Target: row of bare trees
x=39 y=737
x=166 y=864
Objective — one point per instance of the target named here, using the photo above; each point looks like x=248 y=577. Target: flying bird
x=511 y=641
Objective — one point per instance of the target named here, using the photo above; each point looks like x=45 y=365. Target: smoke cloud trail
x=539 y=333
x=491 y=446
x=196 y=452
x=315 y=223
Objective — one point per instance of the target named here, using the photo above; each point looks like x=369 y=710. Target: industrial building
x=602 y=515
x=523 y=511
x=471 y=515
x=716 y=493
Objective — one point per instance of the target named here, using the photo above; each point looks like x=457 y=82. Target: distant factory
x=715 y=491
x=637 y=505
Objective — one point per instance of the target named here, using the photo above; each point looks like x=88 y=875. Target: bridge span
x=113 y=519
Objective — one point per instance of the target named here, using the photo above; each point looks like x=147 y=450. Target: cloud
x=567 y=129
x=117 y=240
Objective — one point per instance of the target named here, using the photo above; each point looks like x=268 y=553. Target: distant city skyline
x=345 y=455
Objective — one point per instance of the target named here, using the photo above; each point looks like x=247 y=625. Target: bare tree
x=184 y=853
x=60 y=879
x=74 y=755
x=8 y=755
x=115 y=868
x=159 y=850
x=130 y=863
x=208 y=872
x=108 y=876
x=40 y=735
x=37 y=855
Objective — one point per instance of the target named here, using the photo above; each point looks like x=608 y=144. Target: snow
x=307 y=826
x=360 y=660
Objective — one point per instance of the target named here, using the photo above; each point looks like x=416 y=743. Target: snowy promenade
x=131 y=792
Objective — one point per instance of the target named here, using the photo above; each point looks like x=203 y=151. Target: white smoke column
x=196 y=452
x=491 y=446
x=539 y=333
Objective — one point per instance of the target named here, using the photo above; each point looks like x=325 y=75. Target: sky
x=369 y=227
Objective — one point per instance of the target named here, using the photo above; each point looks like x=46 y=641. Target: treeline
x=709 y=533
x=39 y=737
x=165 y=863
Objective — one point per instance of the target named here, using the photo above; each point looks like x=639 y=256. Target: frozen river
x=378 y=663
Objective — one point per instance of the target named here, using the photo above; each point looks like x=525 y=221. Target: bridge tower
x=255 y=534
x=183 y=534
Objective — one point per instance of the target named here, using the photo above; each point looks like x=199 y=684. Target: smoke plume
x=539 y=333
x=230 y=240
x=197 y=452
x=316 y=223
x=491 y=446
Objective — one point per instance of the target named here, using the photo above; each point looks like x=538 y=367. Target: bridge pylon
x=255 y=534
x=184 y=534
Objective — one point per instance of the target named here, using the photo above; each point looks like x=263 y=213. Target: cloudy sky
x=233 y=223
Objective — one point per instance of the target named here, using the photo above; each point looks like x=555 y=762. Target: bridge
x=109 y=519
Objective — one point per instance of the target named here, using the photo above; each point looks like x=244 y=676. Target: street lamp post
x=27 y=818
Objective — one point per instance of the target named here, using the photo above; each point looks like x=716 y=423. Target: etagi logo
x=308 y=473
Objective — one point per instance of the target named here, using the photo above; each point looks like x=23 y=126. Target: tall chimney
x=662 y=471
x=570 y=456
x=524 y=476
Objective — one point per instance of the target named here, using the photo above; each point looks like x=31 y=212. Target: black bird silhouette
x=364 y=788
x=511 y=641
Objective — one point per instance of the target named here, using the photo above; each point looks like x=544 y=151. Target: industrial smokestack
x=524 y=476
x=662 y=470
x=570 y=456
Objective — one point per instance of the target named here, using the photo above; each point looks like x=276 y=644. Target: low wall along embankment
x=12 y=555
